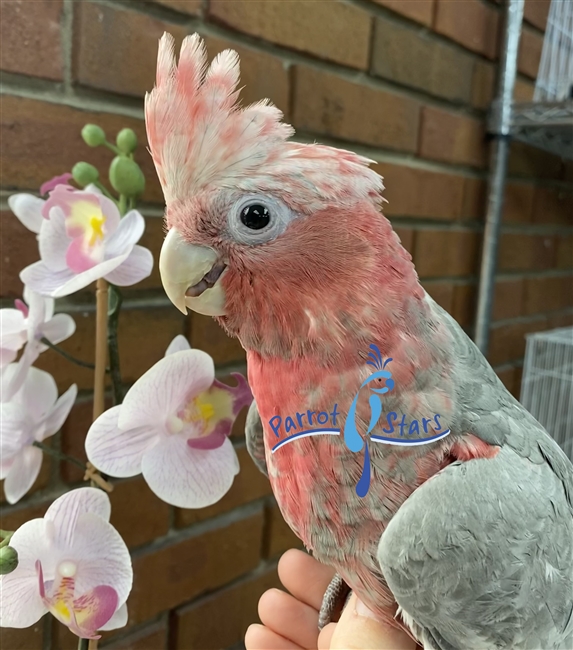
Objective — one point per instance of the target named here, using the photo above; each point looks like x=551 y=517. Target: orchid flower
x=33 y=414
x=81 y=239
x=173 y=427
x=27 y=324
x=72 y=563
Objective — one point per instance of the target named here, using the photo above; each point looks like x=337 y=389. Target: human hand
x=290 y=620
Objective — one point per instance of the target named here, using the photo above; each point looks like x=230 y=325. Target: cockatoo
x=466 y=541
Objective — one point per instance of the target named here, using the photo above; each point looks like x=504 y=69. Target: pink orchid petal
x=59 y=328
x=115 y=452
x=54 y=241
x=28 y=210
x=80 y=258
x=84 y=279
x=101 y=555
x=164 y=387
x=93 y=609
x=22 y=474
x=67 y=509
x=215 y=439
x=20 y=601
x=119 y=619
x=136 y=267
x=66 y=198
x=189 y=478
x=179 y=344
x=60 y=412
x=5 y=465
x=7 y=356
x=41 y=279
x=128 y=233
x=21 y=306
x=53 y=182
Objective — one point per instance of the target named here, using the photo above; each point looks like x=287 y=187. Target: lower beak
x=191 y=276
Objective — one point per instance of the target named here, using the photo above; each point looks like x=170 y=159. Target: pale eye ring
x=257 y=219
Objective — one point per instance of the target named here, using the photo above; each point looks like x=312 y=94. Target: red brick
x=483 y=84
x=565 y=251
x=421 y=11
x=471 y=23
x=530 y=46
x=29 y=638
x=116 y=50
x=249 y=484
x=518 y=203
x=137 y=513
x=507 y=342
x=174 y=574
x=464 y=305
x=317 y=28
x=18 y=248
x=507 y=376
x=452 y=138
x=152 y=637
x=536 y=11
x=262 y=75
x=279 y=536
x=508 y=299
x=446 y=253
x=442 y=293
x=414 y=192
x=192 y=7
x=523 y=91
x=407 y=237
x=560 y=320
x=548 y=294
x=41 y=140
x=329 y=105
x=474 y=202
x=12 y=517
x=532 y=162
x=199 y=624
x=206 y=335
x=430 y=65
x=522 y=252
x=31 y=38
x=553 y=206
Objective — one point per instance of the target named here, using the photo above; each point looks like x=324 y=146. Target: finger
x=258 y=637
x=287 y=616
x=325 y=636
x=305 y=577
x=359 y=629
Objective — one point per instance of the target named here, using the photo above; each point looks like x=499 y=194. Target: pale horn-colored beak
x=191 y=276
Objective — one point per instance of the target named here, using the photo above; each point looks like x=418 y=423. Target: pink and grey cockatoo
x=466 y=541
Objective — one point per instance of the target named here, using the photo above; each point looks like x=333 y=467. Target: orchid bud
x=126 y=140
x=84 y=173
x=126 y=177
x=93 y=135
x=8 y=559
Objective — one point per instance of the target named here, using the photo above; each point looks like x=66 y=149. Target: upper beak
x=191 y=276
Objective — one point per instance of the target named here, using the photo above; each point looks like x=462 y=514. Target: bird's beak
x=191 y=276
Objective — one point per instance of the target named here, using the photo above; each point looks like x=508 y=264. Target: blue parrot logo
x=354 y=441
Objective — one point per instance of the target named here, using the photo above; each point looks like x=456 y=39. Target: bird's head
x=275 y=238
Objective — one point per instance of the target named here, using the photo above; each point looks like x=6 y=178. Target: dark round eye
x=255 y=216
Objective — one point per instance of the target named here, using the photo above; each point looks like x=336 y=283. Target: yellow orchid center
x=96 y=225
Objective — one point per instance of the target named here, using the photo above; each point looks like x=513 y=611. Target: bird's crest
x=200 y=137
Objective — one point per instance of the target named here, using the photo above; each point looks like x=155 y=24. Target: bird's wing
x=255 y=440
x=481 y=556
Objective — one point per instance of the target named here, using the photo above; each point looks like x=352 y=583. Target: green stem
x=122 y=204
x=83 y=644
x=69 y=357
x=6 y=535
x=59 y=455
x=115 y=300
x=105 y=191
x=111 y=146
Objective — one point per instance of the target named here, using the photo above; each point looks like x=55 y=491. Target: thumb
x=358 y=629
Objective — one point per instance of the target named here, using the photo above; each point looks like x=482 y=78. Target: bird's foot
x=333 y=601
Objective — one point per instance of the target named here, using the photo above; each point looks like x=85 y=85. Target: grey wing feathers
x=255 y=440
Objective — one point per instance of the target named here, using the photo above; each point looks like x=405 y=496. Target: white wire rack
x=547 y=384
x=555 y=76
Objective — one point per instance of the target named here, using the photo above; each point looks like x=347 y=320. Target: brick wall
x=407 y=83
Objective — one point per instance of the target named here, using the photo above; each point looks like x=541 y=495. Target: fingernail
x=361 y=610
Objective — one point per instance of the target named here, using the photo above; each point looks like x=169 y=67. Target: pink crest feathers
x=201 y=138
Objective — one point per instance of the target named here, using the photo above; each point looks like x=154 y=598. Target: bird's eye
x=255 y=216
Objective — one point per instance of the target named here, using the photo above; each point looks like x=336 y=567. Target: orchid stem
x=111 y=146
x=105 y=191
x=100 y=348
x=69 y=357
x=6 y=535
x=122 y=204
x=59 y=455
x=83 y=644
x=115 y=300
